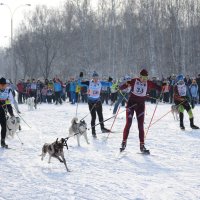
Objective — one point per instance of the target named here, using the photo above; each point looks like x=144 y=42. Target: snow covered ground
x=172 y=171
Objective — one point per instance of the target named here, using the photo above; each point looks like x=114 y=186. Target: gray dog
x=55 y=150
x=175 y=112
x=78 y=129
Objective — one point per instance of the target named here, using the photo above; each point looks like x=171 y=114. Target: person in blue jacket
x=194 y=91
x=6 y=98
x=57 y=90
x=72 y=89
x=94 y=100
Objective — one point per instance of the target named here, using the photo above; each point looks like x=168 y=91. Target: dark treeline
x=117 y=37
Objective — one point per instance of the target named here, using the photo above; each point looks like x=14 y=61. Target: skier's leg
x=3 y=127
x=129 y=118
x=191 y=117
x=140 y=119
x=181 y=116
x=100 y=114
x=93 y=117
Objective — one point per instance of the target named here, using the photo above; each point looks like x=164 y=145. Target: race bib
x=94 y=89
x=4 y=94
x=140 y=89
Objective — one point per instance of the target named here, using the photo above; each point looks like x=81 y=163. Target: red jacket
x=20 y=87
x=139 y=90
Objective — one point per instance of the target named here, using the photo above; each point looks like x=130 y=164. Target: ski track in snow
x=171 y=172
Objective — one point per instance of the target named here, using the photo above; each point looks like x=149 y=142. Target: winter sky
x=5 y=15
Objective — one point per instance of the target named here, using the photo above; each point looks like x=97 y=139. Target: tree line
x=115 y=38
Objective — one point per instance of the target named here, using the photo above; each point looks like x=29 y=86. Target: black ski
x=145 y=153
x=6 y=148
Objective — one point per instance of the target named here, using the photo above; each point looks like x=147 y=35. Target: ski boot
x=143 y=149
x=182 y=127
x=192 y=124
x=3 y=144
x=94 y=135
x=123 y=146
x=105 y=130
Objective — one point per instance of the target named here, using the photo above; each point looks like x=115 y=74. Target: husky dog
x=30 y=102
x=55 y=150
x=13 y=124
x=175 y=112
x=77 y=129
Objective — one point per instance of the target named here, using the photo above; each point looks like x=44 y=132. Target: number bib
x=4 y=94
x=94 y=90
x=140 y=89
x=182 y=90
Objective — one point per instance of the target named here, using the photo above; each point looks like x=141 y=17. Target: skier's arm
x=83 y=83
x=127 y=84
x=10 y=97
x=106 y=84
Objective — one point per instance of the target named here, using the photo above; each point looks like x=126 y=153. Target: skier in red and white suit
x=136 y=103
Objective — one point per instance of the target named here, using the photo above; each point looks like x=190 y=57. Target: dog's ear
x=62 y=140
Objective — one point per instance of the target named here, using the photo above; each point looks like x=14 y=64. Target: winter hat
x=81 y=74
x=144 y=72
x=179 y=78
x=95 y=74
x=110 y=79
x=2 y=80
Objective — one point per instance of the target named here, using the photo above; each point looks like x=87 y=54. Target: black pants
x=49 y=99
x=3 y=124
x=94 y=108
x=19 y=97
x=199 y=95
x=166 y=97
x=58 y=97
x=104 y=97
x=171 y=94
x=153 y=95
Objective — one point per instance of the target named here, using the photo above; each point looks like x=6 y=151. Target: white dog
x=30 y=102
x=175 y=112
x=78 y=129
x=13 y=124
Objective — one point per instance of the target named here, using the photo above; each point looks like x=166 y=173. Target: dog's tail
x=74 y=120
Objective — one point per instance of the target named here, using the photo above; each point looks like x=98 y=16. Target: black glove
x=81 y=74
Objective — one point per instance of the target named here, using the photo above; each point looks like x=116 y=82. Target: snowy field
x=172 y=171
